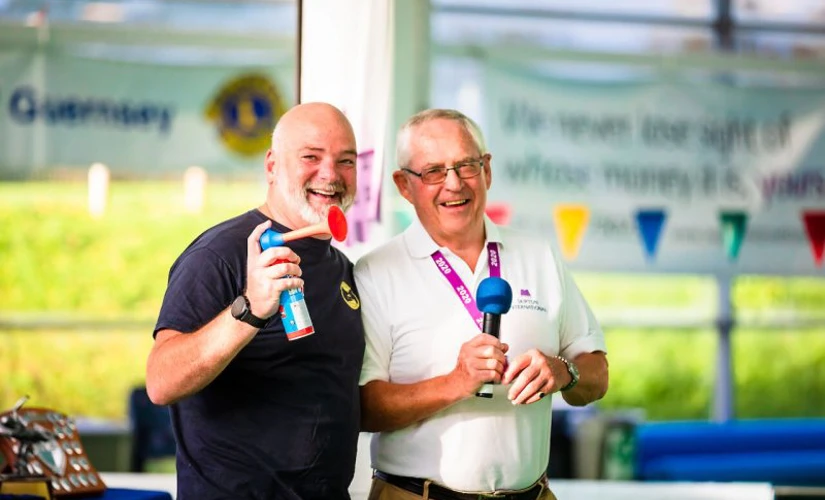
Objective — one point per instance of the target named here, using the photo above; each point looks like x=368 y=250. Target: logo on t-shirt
x=349 y=296
x=526 y=301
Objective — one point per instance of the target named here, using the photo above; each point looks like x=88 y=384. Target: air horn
x=335 y=226
x=294 y=313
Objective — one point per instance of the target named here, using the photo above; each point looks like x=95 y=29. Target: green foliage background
x=80 y=295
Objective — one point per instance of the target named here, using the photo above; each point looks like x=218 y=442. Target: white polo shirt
x=415 y=325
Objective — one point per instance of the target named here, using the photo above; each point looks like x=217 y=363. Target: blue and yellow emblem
x=245 y=112
x=348 y=294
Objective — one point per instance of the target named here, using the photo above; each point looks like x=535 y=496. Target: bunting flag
x=571 y=223
x=650 y=223
x=814 y=221
x=734 y=225
x=499 y=213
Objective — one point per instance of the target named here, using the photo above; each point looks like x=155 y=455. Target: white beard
x=296 y=198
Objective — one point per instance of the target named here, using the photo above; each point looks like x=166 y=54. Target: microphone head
x=494 y=296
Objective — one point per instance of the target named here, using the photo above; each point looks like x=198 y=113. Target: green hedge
x=80 y=373
x=65 y=262
x=668 y=373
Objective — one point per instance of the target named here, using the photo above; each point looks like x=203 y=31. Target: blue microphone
x=493 y=298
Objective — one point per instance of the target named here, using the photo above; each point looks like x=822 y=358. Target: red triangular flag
x=815 y=228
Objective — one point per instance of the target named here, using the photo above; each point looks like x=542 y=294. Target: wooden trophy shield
x=39 y=442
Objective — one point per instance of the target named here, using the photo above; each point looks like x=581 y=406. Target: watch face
x=238 y=307
x=574 y=371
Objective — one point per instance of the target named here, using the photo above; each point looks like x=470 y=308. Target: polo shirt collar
x=421 y=245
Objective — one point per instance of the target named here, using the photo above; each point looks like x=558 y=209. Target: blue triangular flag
x=649 y=223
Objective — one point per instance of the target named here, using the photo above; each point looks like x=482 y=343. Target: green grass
x=60 y=264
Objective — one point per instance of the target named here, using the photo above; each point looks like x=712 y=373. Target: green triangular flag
x=734 y=225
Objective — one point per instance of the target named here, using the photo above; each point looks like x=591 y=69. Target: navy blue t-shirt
x=282 y=420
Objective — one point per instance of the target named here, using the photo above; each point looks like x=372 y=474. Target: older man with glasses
x=426 y=357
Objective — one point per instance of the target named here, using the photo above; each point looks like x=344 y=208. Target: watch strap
x=253 y=320
x=572 y=370
x=247 y=317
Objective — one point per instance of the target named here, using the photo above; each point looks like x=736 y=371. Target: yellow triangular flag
x=571 y=223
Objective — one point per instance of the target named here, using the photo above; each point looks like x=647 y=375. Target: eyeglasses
x=437 y=175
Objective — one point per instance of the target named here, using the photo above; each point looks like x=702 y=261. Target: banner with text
x=688 y=176
x=138 y=118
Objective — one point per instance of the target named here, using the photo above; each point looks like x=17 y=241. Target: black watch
x=240 y=311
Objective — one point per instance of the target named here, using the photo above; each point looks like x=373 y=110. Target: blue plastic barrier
x=782 y=452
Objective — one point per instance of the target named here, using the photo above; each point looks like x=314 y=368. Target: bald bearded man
x=256 y=415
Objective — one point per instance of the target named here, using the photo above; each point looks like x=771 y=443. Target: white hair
x=402 y=142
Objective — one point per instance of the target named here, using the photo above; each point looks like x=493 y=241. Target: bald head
x=311 y=164
x=296 y=119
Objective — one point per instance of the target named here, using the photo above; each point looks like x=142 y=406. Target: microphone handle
x=492 y=326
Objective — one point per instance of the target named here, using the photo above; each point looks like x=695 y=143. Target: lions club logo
x=245 y=112
x=349 y=296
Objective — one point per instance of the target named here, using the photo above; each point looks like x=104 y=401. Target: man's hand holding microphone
x=482 y=360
